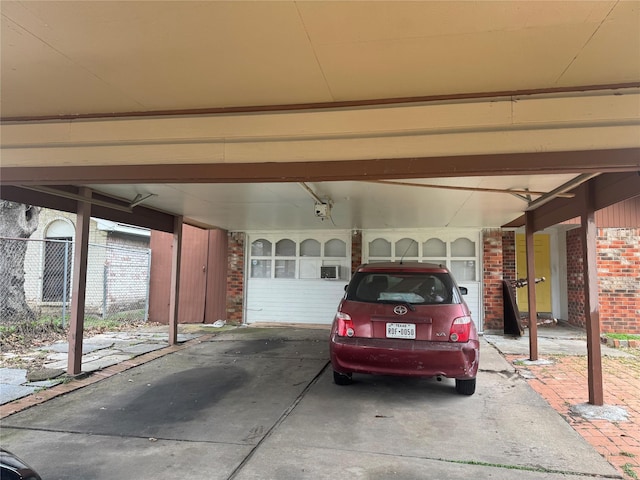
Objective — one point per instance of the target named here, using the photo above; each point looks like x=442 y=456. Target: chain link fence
x=117 y=287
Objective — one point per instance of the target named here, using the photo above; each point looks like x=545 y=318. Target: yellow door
x=543 y=269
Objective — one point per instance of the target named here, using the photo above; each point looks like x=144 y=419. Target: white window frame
x=298 y=238
x=421 y=236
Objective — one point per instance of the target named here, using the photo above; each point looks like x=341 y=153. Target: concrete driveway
x=260 y=403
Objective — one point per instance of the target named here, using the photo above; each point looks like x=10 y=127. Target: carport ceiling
x=355 y=205
x=71 y=62
x=78 y=57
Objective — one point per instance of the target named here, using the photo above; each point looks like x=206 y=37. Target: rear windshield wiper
x=398 y=302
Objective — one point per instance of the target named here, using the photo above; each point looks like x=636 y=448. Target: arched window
x=261 y=267
x=60 y=229
x=286 y=248
x=464 y=269
x=463 y=247
x=380 y=248
x=434 y=247
x=310 y=248
x=406 y=248
x=285 y=268
x=261 y=248
x=298 y=256
x=58 y=255
x=335 y=248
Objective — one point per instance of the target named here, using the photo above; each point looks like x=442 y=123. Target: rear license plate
x=401 y=330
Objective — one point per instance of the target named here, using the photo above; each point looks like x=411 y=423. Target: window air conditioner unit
x=330 y=271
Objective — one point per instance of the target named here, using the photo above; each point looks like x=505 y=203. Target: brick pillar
x=492 y=279
x=509 y=271
x=356 y=250
x=235 y=277
x=575 y=281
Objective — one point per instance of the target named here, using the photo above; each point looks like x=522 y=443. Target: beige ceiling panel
x=553 y=110
x=321 y=125
x=393 y=146
x=615 y=44
x=234 y=53
x=113 y=155
x=355 y=22
x=38 y=79
x=491 y=61
x=469 y=143
x=94 y=57
x=171 y=55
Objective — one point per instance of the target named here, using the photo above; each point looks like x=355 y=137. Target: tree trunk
x=17 y=221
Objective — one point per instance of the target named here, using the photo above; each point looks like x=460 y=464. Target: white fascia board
x=109 y=226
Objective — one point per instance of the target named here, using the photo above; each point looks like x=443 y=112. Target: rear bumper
x=399 y=357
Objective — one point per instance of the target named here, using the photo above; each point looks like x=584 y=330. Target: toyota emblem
x=400 y=310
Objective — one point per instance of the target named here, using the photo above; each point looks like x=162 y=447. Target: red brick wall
x=356 y=251
x=619 y=279
x=618 y=263
x=575 y=280
x=492 y=279
x=235 y=277
x=509 y=255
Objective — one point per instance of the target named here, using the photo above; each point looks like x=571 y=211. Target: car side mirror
x=345 y=287
x=463 y=290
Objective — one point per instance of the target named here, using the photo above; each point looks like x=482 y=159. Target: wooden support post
x=531 y=287
x=591 y=303
x=80 y=252
x=175 y=280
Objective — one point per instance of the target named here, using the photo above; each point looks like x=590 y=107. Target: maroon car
x=405 y=319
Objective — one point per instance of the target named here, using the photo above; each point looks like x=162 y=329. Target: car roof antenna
x=413 y=240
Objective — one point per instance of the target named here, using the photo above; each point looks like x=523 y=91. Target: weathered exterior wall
x=126 y=272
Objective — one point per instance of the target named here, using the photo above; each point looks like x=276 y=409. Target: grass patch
x=23 y=333
x=20 y=336
x=523 y=468
x=626 y=468
x=622 y=336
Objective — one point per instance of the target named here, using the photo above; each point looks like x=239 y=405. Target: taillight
x=460 y=329
x=345 y=325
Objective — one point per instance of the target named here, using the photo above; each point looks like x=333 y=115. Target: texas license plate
x=401 y=330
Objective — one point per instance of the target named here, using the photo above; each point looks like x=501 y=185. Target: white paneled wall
x=293 y=301
x=473 y=300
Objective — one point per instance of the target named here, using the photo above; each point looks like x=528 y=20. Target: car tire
x=342 y=378
x=466 y=387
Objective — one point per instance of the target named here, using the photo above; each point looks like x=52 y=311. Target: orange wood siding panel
x=160 y=281
x=216 y=302
x=193 y=274
x=621 y=215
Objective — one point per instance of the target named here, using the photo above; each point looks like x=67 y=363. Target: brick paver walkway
x=565 y=384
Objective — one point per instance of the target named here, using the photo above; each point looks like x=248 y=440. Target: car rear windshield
x=413 y=288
